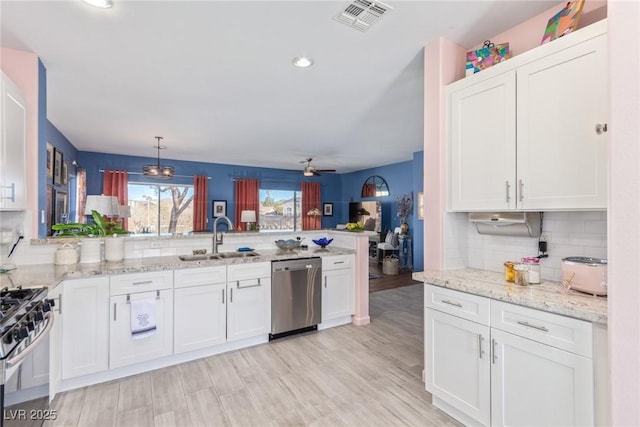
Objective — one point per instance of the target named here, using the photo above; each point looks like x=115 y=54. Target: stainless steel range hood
x=520 y=224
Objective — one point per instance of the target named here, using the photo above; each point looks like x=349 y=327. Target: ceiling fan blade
x=315 y=173
x=325 y=170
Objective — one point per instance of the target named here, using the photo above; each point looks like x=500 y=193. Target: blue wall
x=42 y=146
x=221 y=185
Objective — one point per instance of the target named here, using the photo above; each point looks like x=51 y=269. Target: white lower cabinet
x=249 y=307
x=539 y=385
x=200 y=313
x=156 y=287
x=86 y=306
x=338 y=287
x=458 y=372
x=484 y=375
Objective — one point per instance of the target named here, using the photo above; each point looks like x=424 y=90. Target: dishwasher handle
x=301 y=268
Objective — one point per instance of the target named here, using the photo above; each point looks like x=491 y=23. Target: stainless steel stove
x=26 y=318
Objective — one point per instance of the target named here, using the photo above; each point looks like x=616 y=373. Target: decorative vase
x=404 y=228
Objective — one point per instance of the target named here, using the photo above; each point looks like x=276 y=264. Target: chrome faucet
x=216 y=241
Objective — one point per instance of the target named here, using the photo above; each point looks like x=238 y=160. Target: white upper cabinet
x=562 y=159
x=13 y=131
x=482 y=144
x=523 y=135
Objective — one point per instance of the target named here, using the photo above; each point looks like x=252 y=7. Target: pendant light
x=158 y=170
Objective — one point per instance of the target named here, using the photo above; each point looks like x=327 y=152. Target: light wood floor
x=344 y=376
x=383 y=281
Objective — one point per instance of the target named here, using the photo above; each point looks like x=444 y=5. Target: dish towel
x=143 y=318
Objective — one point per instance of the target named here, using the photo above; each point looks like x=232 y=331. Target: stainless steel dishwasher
x=296 y=298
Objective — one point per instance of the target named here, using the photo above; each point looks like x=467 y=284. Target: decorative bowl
x=288 y=245
x=323 y=242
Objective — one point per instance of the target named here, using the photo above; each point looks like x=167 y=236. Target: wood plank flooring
x=344 y=376
x=385 y=281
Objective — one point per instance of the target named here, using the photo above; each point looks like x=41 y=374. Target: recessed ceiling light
x=302 y=62
x=103 y=4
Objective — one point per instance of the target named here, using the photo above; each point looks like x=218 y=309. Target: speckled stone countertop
x=49 y=275
x=546 y=296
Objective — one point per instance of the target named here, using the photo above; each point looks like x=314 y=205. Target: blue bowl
x=322 y=242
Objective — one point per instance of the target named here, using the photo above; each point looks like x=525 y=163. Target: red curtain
x=81 y=175
x=369 y=190
x=246 y=198
x=200 y=197
x=115 y=184
x=310 y=200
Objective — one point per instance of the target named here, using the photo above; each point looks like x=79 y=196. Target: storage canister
x=533 y=265
x=509 y=271
x=521 y=276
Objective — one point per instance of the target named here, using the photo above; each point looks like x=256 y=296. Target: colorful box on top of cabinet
x=490 y=54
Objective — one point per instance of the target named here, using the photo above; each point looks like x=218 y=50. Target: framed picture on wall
x=219 y=208
x=49 y=205
x=65 y=172
x=57 y=167
x=327 y=209
x=60 y=210
x=49 y=160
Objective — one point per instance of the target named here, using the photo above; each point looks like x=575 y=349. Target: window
x=280 y=210
x=160 y=209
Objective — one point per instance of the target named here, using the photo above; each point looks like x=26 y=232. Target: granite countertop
x=49 y=275
x=546 y=296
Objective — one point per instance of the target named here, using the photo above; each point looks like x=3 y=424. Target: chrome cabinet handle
x=530 y=325
x=601 y=128
x=338 y=262
x=493 y=351
x=231 y=295
x=13 y=192
x=223 y=296
x=248 y=286
x=455 y=304
x=146 y=282
x=480 y=346
x=115 y=307
x=521 y=189
x=508 y=189
x=325 y=282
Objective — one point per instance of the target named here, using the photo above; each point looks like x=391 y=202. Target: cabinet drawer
x=336 y=262
x=200 y=276
x=237 y=272
x=558 y=331
x=467 y=306
x=141 y=282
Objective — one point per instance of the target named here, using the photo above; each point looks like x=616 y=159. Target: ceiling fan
x=310 y=170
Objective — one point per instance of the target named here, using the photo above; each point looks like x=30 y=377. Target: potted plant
x=100 y=227
x=405 y=208
x=90 y=248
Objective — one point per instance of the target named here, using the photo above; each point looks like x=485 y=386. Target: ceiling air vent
x=362 y=14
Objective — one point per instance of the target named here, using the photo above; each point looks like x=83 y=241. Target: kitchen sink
x=202 y=257
x=237 y=254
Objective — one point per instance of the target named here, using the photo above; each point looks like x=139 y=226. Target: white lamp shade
x=105 y=205
x=248 y=216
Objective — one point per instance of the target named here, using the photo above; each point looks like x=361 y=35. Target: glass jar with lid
x=533 y=267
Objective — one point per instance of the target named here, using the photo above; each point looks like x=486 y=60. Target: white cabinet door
x=562 y=161
x=482 y=144
x=123 y=349
x=13 y=121
x=248 y=308
x=55 y=342
x=338 y=294
x=86 y=305
x=457 y=368
x=535 y=384
x=200 y=317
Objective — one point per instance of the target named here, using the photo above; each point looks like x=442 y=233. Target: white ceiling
x=215 y=78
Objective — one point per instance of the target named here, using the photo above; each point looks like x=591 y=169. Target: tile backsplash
x=571 y=234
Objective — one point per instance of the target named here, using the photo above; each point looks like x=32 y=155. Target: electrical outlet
x=545 y=236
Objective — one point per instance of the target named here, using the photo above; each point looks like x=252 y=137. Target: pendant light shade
x=158 y=170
